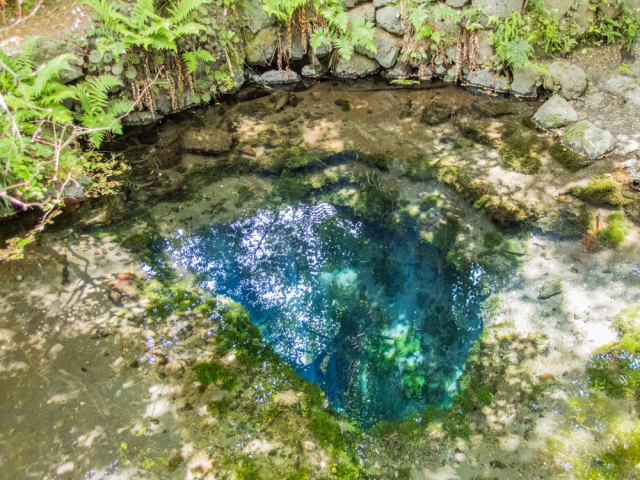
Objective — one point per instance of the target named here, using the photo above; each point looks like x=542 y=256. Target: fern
x=193 y=57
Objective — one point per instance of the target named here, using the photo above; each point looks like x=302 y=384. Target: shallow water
x=371 y=317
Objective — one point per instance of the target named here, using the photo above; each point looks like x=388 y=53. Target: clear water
x=377 y=320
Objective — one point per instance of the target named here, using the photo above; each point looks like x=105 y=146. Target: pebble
x=19 y=278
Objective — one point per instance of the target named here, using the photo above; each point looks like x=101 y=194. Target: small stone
x=515 y=247
x=546 y=376
x=550 y=288
x=248 y=151
x=19 y=278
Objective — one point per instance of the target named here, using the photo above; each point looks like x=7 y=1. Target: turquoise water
x=379 y=321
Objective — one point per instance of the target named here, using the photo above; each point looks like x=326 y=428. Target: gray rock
x=297 y=49
x=583 y=17
x=347 y=4
x=499 y=8
x=457 y=3
x=366 y=11
x=382 y=3
x=140 y=119
x=610 y=9
x=257 y=18
x=567 y=79
x=261 y=49
x=550 y=288
x=313 y=71
x=620 y=85
x=515 y=247
x=388 y=47
x=208 y=141
x=555 y=113
x=559 y=7
x=525 y=81
x=389 y=19
x=633 y=97
x=485 y=50
x=587 y=139
x=486 y=78
x=47 y=48
x=277 y=77
x=357 y=66
x=635 y=69
x=401 y=69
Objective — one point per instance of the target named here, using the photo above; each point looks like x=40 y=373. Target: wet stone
x=515 y=247
x=207 y=141
x=550 y=289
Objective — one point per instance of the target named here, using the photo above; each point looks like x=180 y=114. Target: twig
x=21 y=19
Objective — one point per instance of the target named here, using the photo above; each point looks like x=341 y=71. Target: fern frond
x=192 y=58
x=183 y=8
x=50 y=70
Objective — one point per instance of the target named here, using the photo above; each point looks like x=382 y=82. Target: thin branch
x=22 y=19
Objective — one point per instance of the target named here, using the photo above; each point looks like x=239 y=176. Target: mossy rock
x=615 y=232
x=601 y=190
x=515 y=247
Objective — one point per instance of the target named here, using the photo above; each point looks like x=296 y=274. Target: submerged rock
x=401 y=69
x=587 y=139
x=568 y=80
x=207 y=141
x=313 y=71
x=550 y=289
x=486 y=78
x=515 y=247
x=357 y=66
x=555 y=113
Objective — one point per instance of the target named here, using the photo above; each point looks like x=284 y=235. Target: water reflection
x=375 y=320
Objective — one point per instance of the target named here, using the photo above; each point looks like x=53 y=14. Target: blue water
x=380 y=321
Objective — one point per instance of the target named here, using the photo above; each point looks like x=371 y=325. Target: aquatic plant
x=601 y=190
x=615 y=232
x=212 y=372
x=492 y=239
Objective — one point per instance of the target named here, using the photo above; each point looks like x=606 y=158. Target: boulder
x=457 y=3
x=313 y=71
x=357 y=66
x=207 y=141
x=401 y=69
x=555 y=113
x=486 y=78
x=257 y=18
x=567 y=79
x=276 y=77
x=389 y=19
x=382 y=3
x=47 y=48
x=583 y=17
x=587 y=139
x=388 y=47
x=366 y=11
x=485 y=50
x=347 y=4
x=633 y=97
x=261 y=49
x=559 y=7
x=620 y=85
x=525 y=81
x=499 y=8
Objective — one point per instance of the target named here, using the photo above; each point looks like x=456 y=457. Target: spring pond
x=412 y=252
x=370 y=317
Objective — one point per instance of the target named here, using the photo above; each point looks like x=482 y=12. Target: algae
x=601 y=190
x=615 y=232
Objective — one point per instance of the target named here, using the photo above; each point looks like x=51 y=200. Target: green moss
x=613 y=368
x=344 y=104
x=377 y=201
x=248 y=469
x=526 y=163
x=616 y=231
x=220 y=407
x=565 y=156
x=446 y=235
x=137 y=243
x=379 y=160
x=619 y=461
x=602 y=190
x=492 y=239
x=428 y=202
x=212 y=372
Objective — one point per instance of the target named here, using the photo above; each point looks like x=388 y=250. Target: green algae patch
x=523 y=163
x=601 y=190
x=492 y=239
x=615 y=232
x=614 y=368
x=212 y=372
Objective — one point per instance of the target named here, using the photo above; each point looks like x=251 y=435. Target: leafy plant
x=551 y=33
x=39 y=139
x=508 y=41
x=336 y=30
